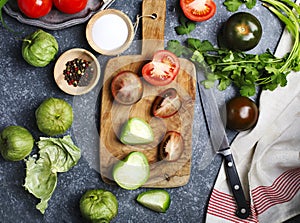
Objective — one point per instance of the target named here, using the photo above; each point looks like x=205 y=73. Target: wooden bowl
x=60 y=66
x=110 y=32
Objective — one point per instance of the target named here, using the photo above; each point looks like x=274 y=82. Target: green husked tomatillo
x=98 y=205
x=16 y=143
x=56 y=155
x=242 y=31
x=54 y=116
x=39 y=48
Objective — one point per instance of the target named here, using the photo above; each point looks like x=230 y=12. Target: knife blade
x=219 y=140
x=106 y=4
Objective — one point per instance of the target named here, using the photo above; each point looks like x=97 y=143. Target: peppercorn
x=78 y=72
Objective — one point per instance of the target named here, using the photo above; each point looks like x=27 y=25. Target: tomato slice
x=166 y=104
x=171 y=147
x=127 y=88
x=163 y=68
x=198 y=10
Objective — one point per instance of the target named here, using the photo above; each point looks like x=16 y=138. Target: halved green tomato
x=136 y=131
x=132 y=172
x=157 y=200
x=198 y=10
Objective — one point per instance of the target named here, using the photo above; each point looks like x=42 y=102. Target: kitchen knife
x=106 y=4
x=220 y=142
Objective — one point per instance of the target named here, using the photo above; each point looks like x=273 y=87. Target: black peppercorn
x=78 y=72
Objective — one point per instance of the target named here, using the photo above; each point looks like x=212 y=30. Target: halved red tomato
x=127 y=88
x=163 y=68
x=166 y=104
x=198 y=10
x=171 y=147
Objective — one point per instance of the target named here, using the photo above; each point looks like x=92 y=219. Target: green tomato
x=98 y=205
x=16 y=143
x=54 y=116
x=131 y=172
x=136 y=131
x=242 y=31
x=39 y=48
x=157 y=200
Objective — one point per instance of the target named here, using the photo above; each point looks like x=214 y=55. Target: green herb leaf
x=250 y=3
x=2 y=3
x=186 y=26
x=202 y=46
x=232 y=5
x=179 y=50
x=248 y=90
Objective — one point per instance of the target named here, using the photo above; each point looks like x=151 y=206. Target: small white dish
x=110 y=32
x=60 y=66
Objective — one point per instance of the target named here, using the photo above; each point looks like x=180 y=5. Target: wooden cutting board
x=113 y=115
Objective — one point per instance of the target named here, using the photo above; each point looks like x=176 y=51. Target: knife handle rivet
x=229 y=164
x=236 y=187
x=243 y=210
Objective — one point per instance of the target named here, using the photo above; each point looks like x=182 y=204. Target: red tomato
x=198 y=10
x=35 y=8
x=163 y=68
x=70 y=6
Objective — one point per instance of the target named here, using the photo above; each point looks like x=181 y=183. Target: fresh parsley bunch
x=246 y=71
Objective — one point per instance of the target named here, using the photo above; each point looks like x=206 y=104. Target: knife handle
x=243 y=210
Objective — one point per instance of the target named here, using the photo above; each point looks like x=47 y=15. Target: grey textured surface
x=23 y=88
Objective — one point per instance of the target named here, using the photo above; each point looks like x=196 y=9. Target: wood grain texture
x=113 y=115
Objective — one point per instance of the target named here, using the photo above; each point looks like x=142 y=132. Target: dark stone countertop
x=23 y=88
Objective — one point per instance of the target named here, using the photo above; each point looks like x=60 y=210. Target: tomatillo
x=242 y=31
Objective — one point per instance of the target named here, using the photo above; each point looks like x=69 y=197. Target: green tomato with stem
x=98 y=205
x=54 y=116
x=16 y=143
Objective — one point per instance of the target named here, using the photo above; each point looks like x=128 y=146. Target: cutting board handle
x=153 y=29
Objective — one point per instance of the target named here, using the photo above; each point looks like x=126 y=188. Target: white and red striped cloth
x=267 y=159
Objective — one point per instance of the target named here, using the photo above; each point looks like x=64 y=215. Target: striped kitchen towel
x=267 y=159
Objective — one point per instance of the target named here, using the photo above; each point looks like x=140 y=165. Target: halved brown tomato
x=198 y=10
x=127 y=88
x=166 y=104
x=171 y=147
x=163 y=68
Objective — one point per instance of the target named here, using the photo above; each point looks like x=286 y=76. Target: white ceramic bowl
x=110 y=32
